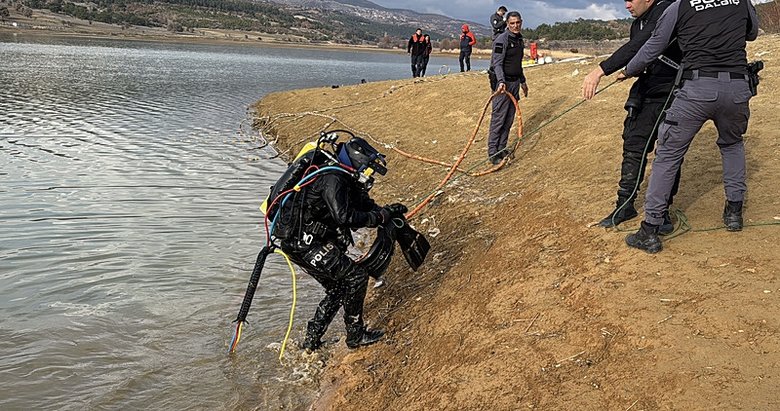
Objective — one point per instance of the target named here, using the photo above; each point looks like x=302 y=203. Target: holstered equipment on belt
x=753 y=77
x=634 y=101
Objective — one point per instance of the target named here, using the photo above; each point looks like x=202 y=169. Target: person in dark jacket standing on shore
x=416 y=47
x=497 y=21
x=646 y=102
x=712 y=37
x=467 y=40
x=426 y=54
x=507 y=63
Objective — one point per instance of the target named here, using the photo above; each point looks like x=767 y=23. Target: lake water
x=129 y=223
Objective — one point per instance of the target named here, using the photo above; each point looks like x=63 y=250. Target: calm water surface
x=129 y=223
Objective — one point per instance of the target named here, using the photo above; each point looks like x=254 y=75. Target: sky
x=534 y=12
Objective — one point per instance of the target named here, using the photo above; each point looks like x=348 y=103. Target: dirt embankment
x=522 y=304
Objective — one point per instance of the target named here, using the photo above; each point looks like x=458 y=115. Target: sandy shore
x=523 y=303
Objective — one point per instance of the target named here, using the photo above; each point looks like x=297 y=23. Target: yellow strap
x=292 y=309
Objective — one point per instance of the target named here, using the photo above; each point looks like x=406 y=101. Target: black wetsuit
x=316 y=225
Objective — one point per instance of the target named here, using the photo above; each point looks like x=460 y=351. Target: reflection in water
x=130 y=223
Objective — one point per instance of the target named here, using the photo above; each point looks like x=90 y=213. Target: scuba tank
x=293 y=175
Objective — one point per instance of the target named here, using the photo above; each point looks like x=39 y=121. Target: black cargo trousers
x=345 y=284
x=640 y=126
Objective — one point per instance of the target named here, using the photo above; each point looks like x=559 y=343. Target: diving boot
x=314 y=333
x=311 y=343
x=646 y=239
x=667 y=227
x=359 y=335
x=623 y=211
x=318 y=325
x=732 y=215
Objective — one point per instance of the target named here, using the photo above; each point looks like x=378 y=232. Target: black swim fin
x=413 y=244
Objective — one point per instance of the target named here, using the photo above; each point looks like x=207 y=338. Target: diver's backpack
x=286 y=222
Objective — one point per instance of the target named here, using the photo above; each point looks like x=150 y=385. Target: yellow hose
x=294 y=301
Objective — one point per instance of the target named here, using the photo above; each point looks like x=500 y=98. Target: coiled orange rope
x=454 y=167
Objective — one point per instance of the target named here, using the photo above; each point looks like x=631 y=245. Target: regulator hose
x=249 y=295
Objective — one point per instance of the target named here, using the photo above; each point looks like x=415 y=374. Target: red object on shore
x=534 y=51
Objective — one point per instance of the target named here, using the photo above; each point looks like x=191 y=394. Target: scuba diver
x=310 y=214
x=314 y=230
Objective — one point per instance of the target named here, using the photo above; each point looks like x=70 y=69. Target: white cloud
x=534 y=12
x=538 y=12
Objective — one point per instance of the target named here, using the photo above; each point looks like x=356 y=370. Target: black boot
x=358 y=335
x=667 y=227
x=624 y=211
x=312 y=341
x=732 y=215
x=318 y=325
x=645 y=239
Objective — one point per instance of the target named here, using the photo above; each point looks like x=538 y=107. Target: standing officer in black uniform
x=712 y=37
x=497 y=22
x=315 y=230
x=645 y=104
x=507 y=65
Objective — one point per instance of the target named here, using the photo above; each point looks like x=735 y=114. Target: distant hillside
x=442 y=26
x=306 y=23
x=317 y=21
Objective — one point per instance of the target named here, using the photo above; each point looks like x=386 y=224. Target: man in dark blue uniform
x=712 y=36
x=497 y=21
x=645 y=104
x=507 y=64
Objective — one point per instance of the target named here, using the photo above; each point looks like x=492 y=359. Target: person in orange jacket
x=467 y=40
x=416 y=48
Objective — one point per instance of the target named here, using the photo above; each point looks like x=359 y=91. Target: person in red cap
x=467 y=40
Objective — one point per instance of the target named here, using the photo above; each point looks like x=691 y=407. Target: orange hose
x=454 y=167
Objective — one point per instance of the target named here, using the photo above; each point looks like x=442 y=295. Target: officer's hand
x=622 y=75
x=524 y=87
x=591 y=83
x=396 y=209
x=501 y=88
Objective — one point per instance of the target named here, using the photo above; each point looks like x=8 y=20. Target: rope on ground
x=462 y=156
x=516 y=144
x=453 y=167
x=683 y=226
x=268 y=121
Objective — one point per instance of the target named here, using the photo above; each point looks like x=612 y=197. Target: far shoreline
x=198 y=39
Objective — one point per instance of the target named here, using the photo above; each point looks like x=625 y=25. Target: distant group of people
x=420 y=48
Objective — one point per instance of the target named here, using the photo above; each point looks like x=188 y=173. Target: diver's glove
x=396 y=209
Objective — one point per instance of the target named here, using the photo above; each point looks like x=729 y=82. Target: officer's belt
x=690 y=74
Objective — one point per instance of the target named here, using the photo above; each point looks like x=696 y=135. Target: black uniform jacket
x=658 y=78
